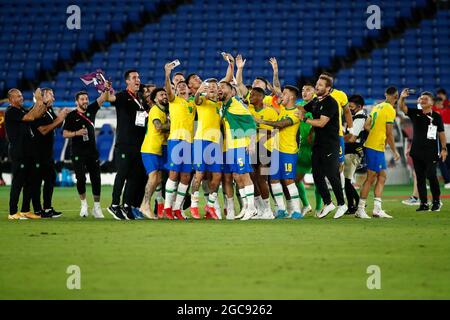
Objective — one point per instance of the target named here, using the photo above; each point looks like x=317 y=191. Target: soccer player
x=284 y=149
x=20 y=135
x=354 y=150
x=179 y=146
x=325 y=152
x=304 y=165
x=239 y=132
x=154 y=151
x=207 y=151
x=380 y=123
x=79 y=127
x=262 y=163
x=177 y=77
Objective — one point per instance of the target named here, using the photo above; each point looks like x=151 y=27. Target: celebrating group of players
x=258 y=142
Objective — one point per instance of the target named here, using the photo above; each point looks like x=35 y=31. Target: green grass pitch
x=306 y=259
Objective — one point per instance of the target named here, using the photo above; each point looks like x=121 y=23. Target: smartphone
x=412 y=91
x=176 y=63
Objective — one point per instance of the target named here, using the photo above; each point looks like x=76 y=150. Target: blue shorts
x=237 y=161
x=207 y=156
x=283 y=165
x=154 y=162
x=341 y=150
x=375 y=160
x=179 y=156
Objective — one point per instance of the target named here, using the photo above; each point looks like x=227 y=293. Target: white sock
x=212 y=199
x=377 y=204
x=171 y=189
x=181 y=194
x=277 y=191
x=295 y=199
x=243 y=198
x=266 y=203
x=84 y=203
x=159 y=197
x=194 y=199
x=258 y=204
x=362 y=204
x=97 y=205
x=289 y=206
x=250 y=195
x=230 y=205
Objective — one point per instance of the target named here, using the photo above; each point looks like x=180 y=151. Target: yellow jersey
x=208 y=121
x=286 y=139
x=155 y=139
x=382 y=114
x=266 y=113
x=181 y=113
x=236 y=109
x=268 y=101
x=342 y=100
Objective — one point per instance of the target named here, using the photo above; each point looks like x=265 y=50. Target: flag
x=239 y=118
x=96 y=78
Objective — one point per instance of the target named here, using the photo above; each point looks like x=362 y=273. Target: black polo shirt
x=44 y=143
x=326 y=138
x=128 y=134
x=422 y=147
x=19 y=133
x=75 y=121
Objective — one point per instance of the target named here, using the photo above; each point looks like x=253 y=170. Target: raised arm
x=276 y=80
x=230 y=70
x=401 y=101
x=239 y=75
x=168 y=84
x=38 y=109
x=198 y=99
x=105 y=95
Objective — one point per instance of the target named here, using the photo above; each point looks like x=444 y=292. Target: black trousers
x=91 y=165
x=25 y=176
x=131 y=174
x=426 y=169
x=325 y=164
x=47 y=174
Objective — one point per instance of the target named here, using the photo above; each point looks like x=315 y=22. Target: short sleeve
x=69 y=123
x=272 y=115
x=390 y=115
x=309 y=106
x=93 y=107
x=15 y=115
x=439 y=124
x=358 y=126
x=293 y=118
x=330 y=108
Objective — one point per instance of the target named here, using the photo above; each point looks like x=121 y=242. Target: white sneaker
x=381 y=214
x=241 y=214
x=411 y=201
x=230 y=215
x=361 y=213
x=97 y=212
x=249 y=214
x=306 y=210
x=447 y=186
x=340 y=211
x=84 y=212
x=267 y=214
x=289 y=207
x=326 y=210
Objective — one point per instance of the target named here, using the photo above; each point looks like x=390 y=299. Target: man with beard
x=325 y=152
x=130 y=133
x=44 y=130
x=239 y=132
x=154 y=151
x=79 y=127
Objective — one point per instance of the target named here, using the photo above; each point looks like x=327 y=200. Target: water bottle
x=85 y=136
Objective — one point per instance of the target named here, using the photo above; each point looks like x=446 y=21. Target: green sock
x=302 y=193
x=319 y=202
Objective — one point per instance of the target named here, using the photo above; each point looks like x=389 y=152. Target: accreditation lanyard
x=432 y=129
x=86 y=118
x=141 y=115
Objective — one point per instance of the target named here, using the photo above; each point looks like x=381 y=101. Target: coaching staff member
x=21 y=152
x=79 y=127
x=325 y=151
x=428 y=146
x=130 y=132
x=43 y=129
